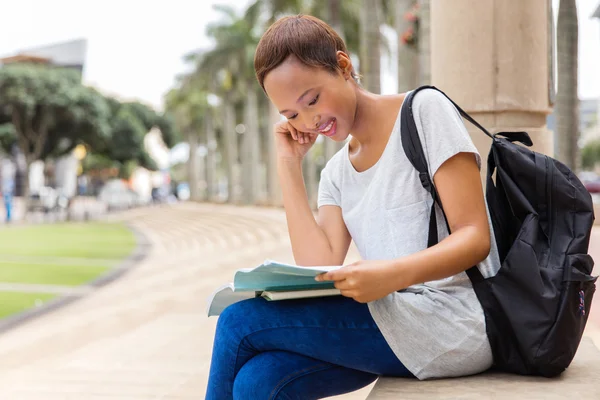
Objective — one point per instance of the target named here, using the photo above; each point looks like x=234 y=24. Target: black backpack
x=537 y=305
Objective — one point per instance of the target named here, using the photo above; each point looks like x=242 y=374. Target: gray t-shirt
x=437 y=329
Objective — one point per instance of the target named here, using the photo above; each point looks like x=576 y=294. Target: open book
x=274 y=281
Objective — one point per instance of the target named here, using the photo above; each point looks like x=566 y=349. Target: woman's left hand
x=364 y=281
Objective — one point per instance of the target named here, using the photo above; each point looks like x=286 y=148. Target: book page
x=224 y=296
x=299 y=294
x=273 y=275
x=288 y=269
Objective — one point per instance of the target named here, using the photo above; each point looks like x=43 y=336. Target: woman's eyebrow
x=297 y=101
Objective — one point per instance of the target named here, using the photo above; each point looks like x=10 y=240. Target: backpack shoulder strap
x=414 y=152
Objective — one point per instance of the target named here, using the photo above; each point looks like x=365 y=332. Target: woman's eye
x=293 y=116
x=314 y=101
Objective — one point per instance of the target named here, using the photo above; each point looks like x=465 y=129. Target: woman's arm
x=458 y=183
x=324 y=241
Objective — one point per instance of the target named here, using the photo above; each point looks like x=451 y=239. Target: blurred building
x=69 y=54
x=589 y=112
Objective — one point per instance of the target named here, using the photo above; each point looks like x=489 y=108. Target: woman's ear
x=345 y=64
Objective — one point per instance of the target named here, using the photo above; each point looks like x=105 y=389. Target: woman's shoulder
x=430 y=97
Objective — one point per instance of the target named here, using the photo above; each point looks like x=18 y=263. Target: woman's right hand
x=291 y=143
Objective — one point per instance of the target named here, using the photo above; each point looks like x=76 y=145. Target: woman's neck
x=373 y=116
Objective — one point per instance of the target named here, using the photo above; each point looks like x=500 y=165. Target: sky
x=135 y=47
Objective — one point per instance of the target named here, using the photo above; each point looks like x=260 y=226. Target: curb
x=139 y=253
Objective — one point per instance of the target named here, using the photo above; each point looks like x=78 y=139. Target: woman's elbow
x=483 y=246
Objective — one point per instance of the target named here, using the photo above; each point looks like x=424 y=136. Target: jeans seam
x=237 y=354
x=295 y=375
x=287 y=327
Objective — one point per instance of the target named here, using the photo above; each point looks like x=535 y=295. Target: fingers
x=285 y=127
x=336 y=275
x=343 y=285
x=293 y=131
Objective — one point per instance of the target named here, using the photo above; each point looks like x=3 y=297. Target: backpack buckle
x=425 y=181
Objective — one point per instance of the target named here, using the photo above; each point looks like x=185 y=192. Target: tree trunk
x=273 y=188
x=408 y=56
x=370 y=63
x=250 y=147
x=334 y=15
x=309 y=170
x=26 y=189
x=192 y=165
x=211 y=164
x=231 y=150
x=567 y=103
x=424 y=42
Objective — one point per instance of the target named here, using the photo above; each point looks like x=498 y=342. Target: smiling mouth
x=326 y=127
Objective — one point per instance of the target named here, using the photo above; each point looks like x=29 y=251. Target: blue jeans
x=297 y=349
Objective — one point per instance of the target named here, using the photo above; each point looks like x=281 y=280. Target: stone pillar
x=491 y=58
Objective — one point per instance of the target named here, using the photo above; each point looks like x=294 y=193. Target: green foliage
x=590 y=154
x=129 y=125
x=171 y=135
x=188 y=107
x=8 y=137
x=95 y=161
x=127 y=169
x=50 y=110
x=127 y=135
x=86 y=121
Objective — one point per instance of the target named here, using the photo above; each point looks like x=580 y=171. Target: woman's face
x=313 y=99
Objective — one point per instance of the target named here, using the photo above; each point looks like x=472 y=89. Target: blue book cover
x=269 y=276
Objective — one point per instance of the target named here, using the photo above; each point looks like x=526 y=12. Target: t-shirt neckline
x=395 y=129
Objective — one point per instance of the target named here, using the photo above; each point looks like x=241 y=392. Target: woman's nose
x=316 y=120
x=313 y=122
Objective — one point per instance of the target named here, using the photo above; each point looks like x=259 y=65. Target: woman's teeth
x=327 y=128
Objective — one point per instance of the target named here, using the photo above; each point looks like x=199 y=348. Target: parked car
x=48 y=199
x=592 y=186
x=118 y=196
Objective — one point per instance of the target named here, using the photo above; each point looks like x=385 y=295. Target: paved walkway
x=146 y=335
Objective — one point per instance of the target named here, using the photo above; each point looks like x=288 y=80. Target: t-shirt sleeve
x=329 y=192
x=441 y=129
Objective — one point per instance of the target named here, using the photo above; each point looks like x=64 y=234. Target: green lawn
x=86 y=240
x=58 y=254
x=12 y=303
x=50 y=274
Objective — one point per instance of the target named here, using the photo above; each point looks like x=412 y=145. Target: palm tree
x=407 y=52
x=370 y=42
x=567 y=103
x=424 y=42
x=190 y=107
x=232 y=59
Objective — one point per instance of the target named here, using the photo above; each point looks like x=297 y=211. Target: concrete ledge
x=580 y=381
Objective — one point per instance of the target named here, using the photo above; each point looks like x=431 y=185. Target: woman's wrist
x=400 y=275
x=289 y=161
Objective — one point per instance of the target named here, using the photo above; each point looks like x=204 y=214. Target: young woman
x=406 y=310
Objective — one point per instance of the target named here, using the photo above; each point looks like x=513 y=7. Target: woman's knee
x=237 y=315
x=258 y=379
